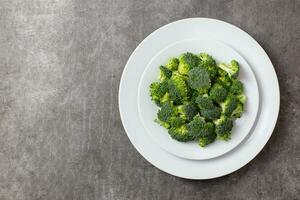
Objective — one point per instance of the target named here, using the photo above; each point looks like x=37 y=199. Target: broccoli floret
x=174 y=94
x=157 y=91
x=167 y=110
x=199 y=79
x=164 y=73
x=193 y=94
x=229 y=105
x=242 y=98
x=176 y=121
x=204 y=102
x=180 y=134
x=218 y=93
x=236 y=87
x=187 y=111
x=163 y=124
x=178 y=90
x=209 y=128
x=221 y=72
x=225 y=81
x=199 y=128
x=205 y=140
x=212 y=113
x=165 y=98
x=187 y=61
x=232 y=69
x=223 y=127
x=196 y=126
x=207 y=62
x=225 y=136
x=173 y=64
x=237 y=113
x=176 y=73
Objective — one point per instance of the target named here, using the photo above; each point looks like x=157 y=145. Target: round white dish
x=148 y=110
x=267 y=84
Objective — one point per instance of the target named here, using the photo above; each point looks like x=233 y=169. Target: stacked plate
x=224 y=42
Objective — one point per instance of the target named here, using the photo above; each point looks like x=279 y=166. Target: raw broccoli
x=225 y=136
x=229 y=105
x=204 y=102
x=157 y=91
x=225 y=81
x=238 y=111
x=163 y=124
x=196 y=126
x=207 y=139
x=165 y=98
x=232 y=69
x=180 y=134
x=187 y=111
x=242 y=98
x=164 y=73
x=173 y=64
x=176 y=121
x=176 y=73
x=167 y=110
x=199 y=128
x=206 y=60
x=223 y=127
x=207 y=107
x=218 y=93
x=236 y=87
x=212 y=113
x=178 y=90
x=209 y=128
x=208 y=63
x=199 y=79
x=187 y=61
x=221 y=72
x=198 y=99
x=193 y=94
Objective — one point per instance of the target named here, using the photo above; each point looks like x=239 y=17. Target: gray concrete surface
x=60 y=132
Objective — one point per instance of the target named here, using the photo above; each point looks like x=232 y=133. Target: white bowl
x=148 y=110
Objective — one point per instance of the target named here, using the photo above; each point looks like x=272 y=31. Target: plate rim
x=275 y=112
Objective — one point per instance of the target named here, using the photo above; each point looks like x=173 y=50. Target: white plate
x=267 y=84
x=148 y=110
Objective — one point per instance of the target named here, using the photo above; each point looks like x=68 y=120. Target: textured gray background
x=60 y=132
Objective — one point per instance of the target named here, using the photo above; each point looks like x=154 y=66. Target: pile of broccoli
x=198 y=98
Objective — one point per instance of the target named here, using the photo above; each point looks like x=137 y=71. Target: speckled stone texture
x=60 y=132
